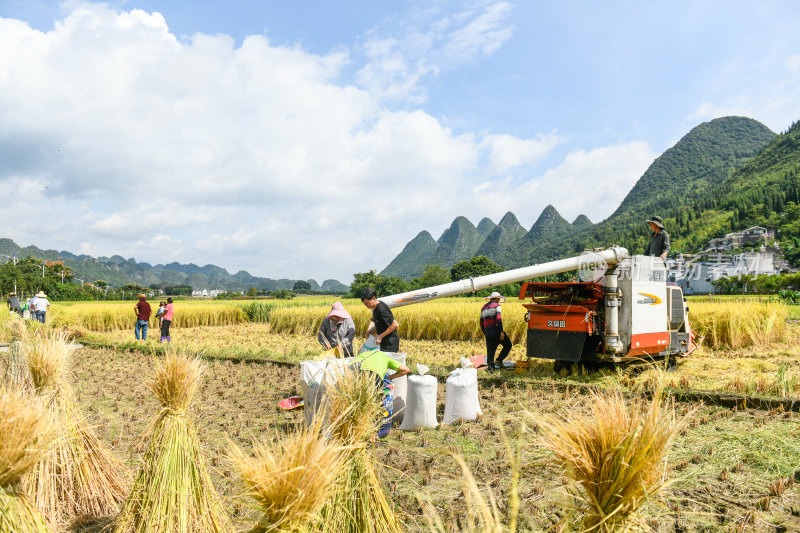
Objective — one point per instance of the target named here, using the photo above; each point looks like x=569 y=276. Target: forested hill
x=765 y=191
x=689 y=185
x=119 y=271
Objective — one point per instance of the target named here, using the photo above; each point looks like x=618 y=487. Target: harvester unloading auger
x=623 y=310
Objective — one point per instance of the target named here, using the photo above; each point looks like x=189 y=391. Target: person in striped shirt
x=492 y=326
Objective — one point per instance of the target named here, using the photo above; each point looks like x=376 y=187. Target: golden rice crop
x=26 y=431
x=451 y=319
x=615 y=455
x=120 y=315
x=739 y=324
x=172 y=492
x=79 y=476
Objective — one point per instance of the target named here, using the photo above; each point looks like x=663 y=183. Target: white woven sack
x=315 y=377
x=461 y=396
x=421 y=405
x=400 y=389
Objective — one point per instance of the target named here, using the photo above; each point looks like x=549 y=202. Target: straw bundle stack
x=359 y=503
x=79 y=476
x=615 y=455
x=172 y=492
x=290 y=479
x=25 y=435
x=14 y=368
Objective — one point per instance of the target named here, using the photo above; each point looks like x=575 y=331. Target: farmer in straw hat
x=40 y=305
x=492 y=326
x=659 y=239
x=337 y=329
x=13 y=303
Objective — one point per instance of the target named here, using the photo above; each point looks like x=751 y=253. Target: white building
x=695 y=274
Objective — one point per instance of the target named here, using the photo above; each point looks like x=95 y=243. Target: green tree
x=253 y=292
x=433 y=275
x=360 y=281
x=301 y=287
x=477 y=266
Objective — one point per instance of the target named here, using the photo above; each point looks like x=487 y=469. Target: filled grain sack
x=461 y=396
x=315 y=377
x=421 y=401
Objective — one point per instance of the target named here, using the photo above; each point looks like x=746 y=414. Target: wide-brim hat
x=41 y=294
x=140 y=295
x=658 y=221
x=337 y=310
x=496 y=295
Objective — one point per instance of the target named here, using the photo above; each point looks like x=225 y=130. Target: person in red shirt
x=492 y=326
x=142 y=310
x=166 y=321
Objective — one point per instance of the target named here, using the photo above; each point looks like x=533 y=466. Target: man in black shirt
x=659 y=240
x=385 y=326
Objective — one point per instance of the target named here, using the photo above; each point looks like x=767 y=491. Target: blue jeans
x=141 y=324
x=40 y=316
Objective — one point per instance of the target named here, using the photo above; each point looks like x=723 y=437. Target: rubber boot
x=168 y=339
x=162 y=339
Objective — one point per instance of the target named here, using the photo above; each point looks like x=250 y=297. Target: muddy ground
x=732 y=470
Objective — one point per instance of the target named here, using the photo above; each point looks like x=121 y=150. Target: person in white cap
x=492 y=326
x=337 y=329
x=40 y=306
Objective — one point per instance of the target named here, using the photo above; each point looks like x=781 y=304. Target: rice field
x=716 y=469
x=724 y=324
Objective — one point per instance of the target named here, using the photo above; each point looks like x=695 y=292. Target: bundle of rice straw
x=172 y=492
x=78 y=477
x=26 y=432
x=615 y=455
x=359 y=504
x=290 y=479
x=15 y=369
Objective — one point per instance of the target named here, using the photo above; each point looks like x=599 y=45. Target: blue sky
x=314 y=139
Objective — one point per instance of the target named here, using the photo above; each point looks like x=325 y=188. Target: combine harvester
x=624 y=310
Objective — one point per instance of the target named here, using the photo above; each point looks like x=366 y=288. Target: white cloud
x=589 y=182
x=122 y=139
x=508 y=151
x=400 y=58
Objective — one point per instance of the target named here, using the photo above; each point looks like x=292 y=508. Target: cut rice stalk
x=615 y=456
x=359 y=503
x=172 y=492
x=290 y=479
x=78 y=477
x=25 y=435
x=14 y=368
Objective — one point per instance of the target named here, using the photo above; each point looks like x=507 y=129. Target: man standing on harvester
x=492 y=326
x=385 y=326
x=659 y=239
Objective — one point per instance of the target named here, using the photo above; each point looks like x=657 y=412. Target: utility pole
x=43 y=263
